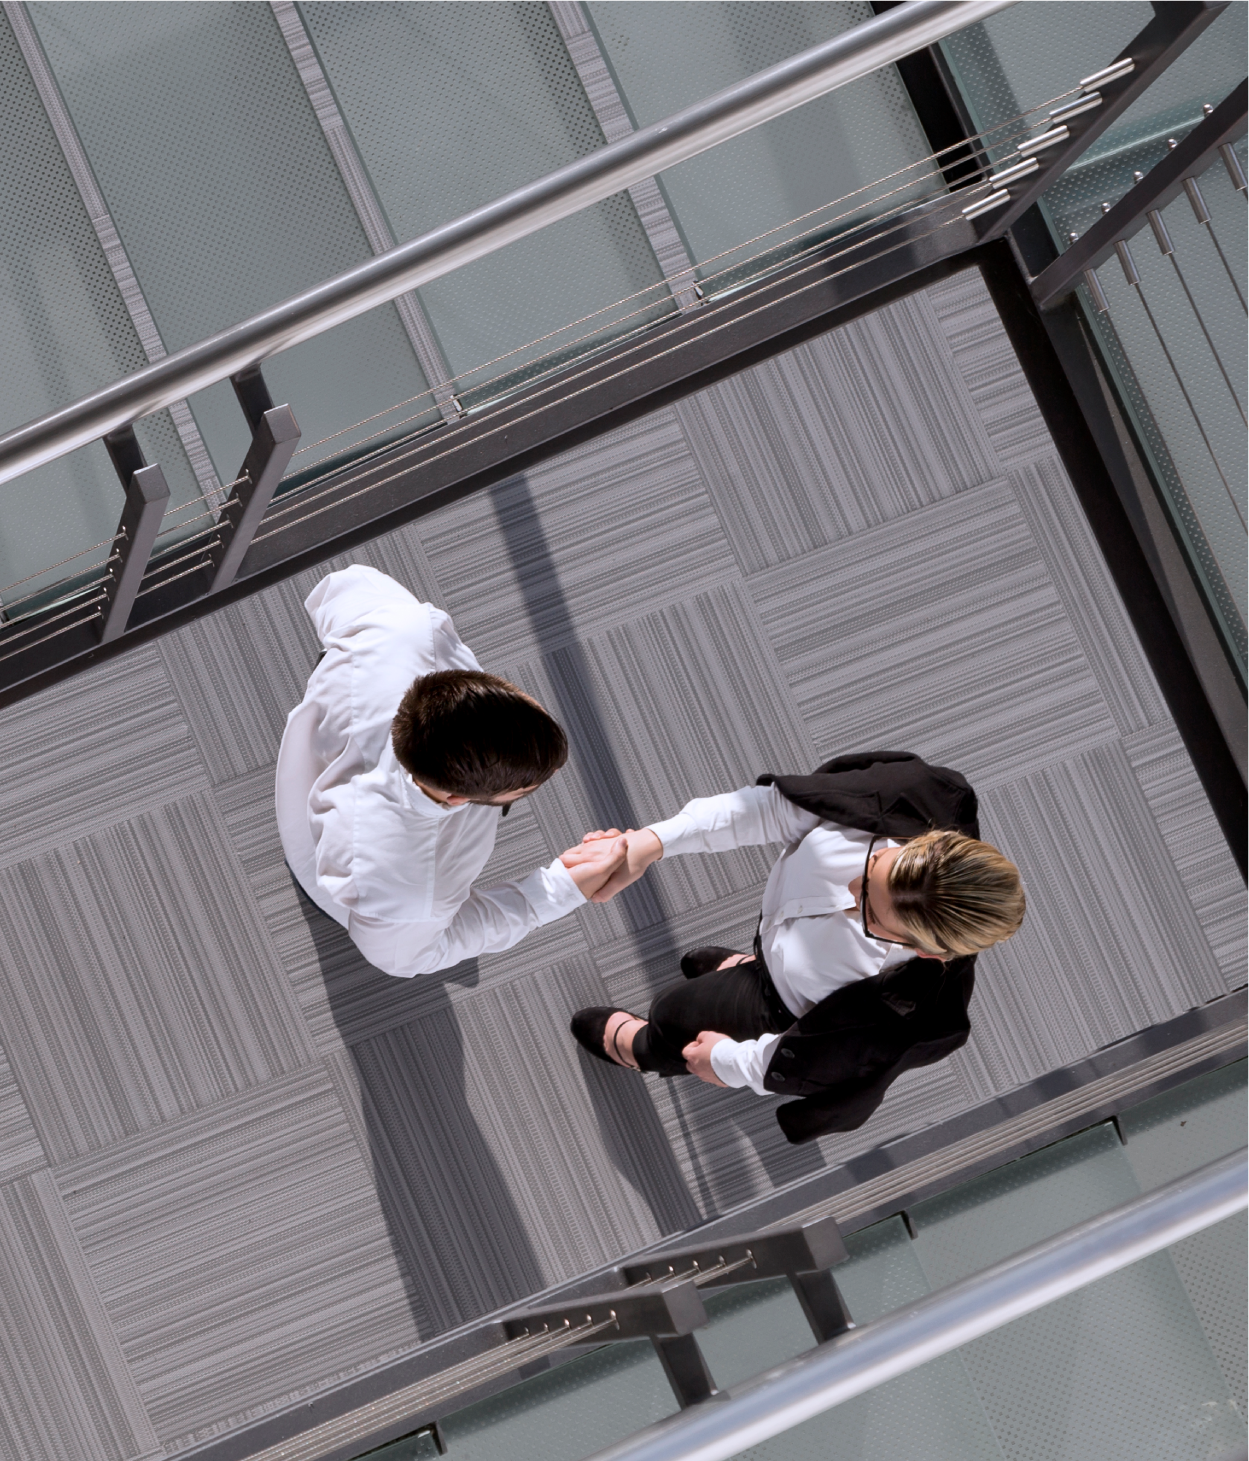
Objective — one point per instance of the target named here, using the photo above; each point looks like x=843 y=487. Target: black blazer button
x=788 y=1054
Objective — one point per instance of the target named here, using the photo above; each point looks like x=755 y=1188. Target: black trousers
x=740 y=1002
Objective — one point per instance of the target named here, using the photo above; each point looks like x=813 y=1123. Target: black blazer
x=843 y=1055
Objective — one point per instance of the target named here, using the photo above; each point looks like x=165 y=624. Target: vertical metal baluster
x=1203 y=217
x=686 y=1369
x=147 y=492
x=1157 y=224
x=822 y=1303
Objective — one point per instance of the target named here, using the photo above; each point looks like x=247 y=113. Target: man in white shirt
x=393 y=772
x=864 y=958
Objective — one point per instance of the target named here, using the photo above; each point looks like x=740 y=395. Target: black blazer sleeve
x=844 y=1054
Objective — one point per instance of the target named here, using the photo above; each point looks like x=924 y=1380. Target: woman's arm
x=744 y=818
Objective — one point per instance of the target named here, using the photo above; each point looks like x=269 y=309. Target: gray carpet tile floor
x=237 y=1165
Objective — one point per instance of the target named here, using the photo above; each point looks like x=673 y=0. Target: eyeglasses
x=865 y=907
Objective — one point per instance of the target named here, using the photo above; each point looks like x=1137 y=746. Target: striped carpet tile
x=96 y=749
x=241 y=1254
x=137 y=980
x=942 y=634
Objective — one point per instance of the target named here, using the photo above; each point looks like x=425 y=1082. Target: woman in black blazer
x=872 y=972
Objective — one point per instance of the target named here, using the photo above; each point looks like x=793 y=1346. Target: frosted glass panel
x=579 y=1407
x=932 y=1412
x=225 y=195
x=66 y=333
x=1176 y=1133
x=1027 y=54
x=1114 y=1372
x=667 y=56
x=453 y=105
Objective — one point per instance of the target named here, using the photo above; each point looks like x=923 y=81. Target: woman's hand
x=641 y=849
x=697 y=1056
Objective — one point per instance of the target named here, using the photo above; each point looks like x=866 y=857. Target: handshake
x=603 y=862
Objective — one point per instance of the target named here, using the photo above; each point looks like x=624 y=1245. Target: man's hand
x=697 y=1056
x=591 y=866
x=642 y=849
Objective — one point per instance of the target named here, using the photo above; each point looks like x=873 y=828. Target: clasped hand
x=610 y=860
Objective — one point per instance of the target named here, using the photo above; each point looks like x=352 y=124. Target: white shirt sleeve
x=744 y=818
x=487 y=922
x=744 y=1062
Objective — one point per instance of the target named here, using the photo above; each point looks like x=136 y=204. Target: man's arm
x=488 y=921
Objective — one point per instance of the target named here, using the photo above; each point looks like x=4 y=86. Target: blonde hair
x=954 y=895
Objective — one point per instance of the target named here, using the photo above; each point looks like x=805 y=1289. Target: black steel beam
x=1062 y=369
x=1160 y=185
x=649 y=1309
x=1176 y=24
x=934 y=95
x=772 y=1254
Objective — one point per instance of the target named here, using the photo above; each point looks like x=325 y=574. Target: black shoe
x=703 y=961
x=589 y=1027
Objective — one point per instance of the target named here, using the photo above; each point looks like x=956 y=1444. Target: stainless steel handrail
x=863 y=1358
x=768 y=94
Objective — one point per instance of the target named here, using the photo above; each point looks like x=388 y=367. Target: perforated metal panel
x=668 y=56
x=1176 y=1133
x=451 y=106
x=931 y=1413
x=565 y=1414
x=65 y=332
x=225 y=195
x=1117 y=1371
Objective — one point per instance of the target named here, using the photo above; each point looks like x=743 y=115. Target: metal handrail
x=759 y=98
x=868 y=1356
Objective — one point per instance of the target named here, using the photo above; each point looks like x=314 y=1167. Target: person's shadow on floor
x=458 y=1236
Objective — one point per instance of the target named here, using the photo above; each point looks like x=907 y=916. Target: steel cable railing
x=294 y=501
x=904 y=208
x=868 y=1356
x=455 y=1380
x=1000 y=136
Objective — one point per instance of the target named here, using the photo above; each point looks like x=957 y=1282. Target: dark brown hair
x=467 y=733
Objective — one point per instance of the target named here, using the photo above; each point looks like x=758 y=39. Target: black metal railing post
x=147 y=492
x=686 y=1368
x=275 y=435
x=822 y=1303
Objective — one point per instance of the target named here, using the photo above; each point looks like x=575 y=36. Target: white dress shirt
x=810 y=944
x=393 y=866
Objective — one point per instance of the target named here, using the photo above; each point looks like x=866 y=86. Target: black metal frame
x=1161 y=184
x=1175 y=26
